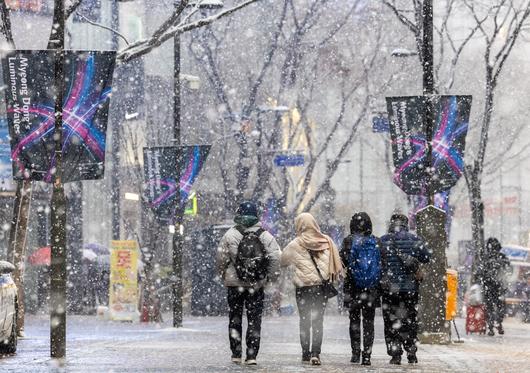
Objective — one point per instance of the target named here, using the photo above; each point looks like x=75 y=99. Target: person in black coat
x=402 y=251
x=360 y=301
x=493 y=271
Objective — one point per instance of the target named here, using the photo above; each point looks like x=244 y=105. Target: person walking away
x=317 y=264
x=402 y=252
x=247 y=258
x=493 y=275
x=361 y=253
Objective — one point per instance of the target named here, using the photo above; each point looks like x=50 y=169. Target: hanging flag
x=31 y=106
x=6 y=173
x=409 y=145
x=160 y=173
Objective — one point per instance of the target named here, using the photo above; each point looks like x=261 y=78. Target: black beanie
x=361 y=223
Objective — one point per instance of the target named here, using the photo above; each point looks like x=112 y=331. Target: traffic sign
x=289 y=160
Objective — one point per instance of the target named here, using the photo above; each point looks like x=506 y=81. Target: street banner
x=29 y=76
x=123 y=292
x=160 y=165
x=6 y=174
x=409 y=146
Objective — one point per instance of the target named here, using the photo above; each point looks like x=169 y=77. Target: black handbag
x=328 y=289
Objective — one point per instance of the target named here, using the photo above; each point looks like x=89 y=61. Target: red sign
x=29 y=5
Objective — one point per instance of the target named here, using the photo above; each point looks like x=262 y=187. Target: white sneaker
x=236 y=360
x=252 y=362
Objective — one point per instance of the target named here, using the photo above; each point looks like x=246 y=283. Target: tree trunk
x=477 y=221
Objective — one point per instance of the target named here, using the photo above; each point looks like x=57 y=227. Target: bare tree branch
x=143 y=47
x=103 y=27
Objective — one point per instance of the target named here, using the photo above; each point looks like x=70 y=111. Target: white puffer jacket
x=305 y=273
x=227 y=252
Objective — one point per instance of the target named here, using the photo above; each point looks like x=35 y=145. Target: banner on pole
x=409 y=146
x=160 y=173
x=123 y=292
x=6 y=174
x=31 y=106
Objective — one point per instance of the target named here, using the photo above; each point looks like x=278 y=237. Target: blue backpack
x=365 y=262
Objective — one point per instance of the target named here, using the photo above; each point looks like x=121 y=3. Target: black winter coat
x=402 y=242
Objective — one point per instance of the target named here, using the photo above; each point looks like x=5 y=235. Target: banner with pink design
x=409 y=145
x=160 y=170
x=31 y=106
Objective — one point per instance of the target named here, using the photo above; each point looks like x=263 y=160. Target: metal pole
x=58 y=211
x=501 y=190
x=428 y=90
x=177 y=291
x=115 y=153
x=361 y=171
x=431 y=221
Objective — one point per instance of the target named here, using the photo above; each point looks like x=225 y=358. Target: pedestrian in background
x=493 y=272
x=247 y=258
x=361 y=254
x=317 y=265
x=402 y=252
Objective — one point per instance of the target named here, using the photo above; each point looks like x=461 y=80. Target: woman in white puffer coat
x=309 y=253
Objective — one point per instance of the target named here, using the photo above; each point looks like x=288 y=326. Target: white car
x=8 y=309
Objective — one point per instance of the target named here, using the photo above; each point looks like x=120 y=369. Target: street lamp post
x=177 y=290
x=58 y=210
x=428 y=90
x=430 y=220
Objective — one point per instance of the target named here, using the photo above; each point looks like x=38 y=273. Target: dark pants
x=252 y=300
x=495 y=304
x=401 y=326
x=365 y=309
x=311 y=306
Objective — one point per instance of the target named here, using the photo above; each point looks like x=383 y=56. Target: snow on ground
x=101 y=346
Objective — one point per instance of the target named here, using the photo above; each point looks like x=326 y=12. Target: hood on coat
x=398 y=223
x=493 y=245
x=308 y=233
x=361 y=223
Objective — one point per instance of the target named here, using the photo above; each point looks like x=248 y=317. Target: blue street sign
x=380 y=124
x=289 y=160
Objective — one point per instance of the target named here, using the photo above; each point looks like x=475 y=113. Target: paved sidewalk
x=202 y=346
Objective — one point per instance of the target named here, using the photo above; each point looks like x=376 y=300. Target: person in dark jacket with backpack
x=361 y=255
x=402 y=252
x=248 y=258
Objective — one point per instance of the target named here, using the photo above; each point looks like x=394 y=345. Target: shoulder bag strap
x=316 y=266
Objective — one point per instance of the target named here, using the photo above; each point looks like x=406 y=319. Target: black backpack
x=251 y=261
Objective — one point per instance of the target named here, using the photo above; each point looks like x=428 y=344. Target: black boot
x=500 y=329
x=366 y=359
x=411 y=357
x=491 y=333
x=355 y=357
x=396 y=360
